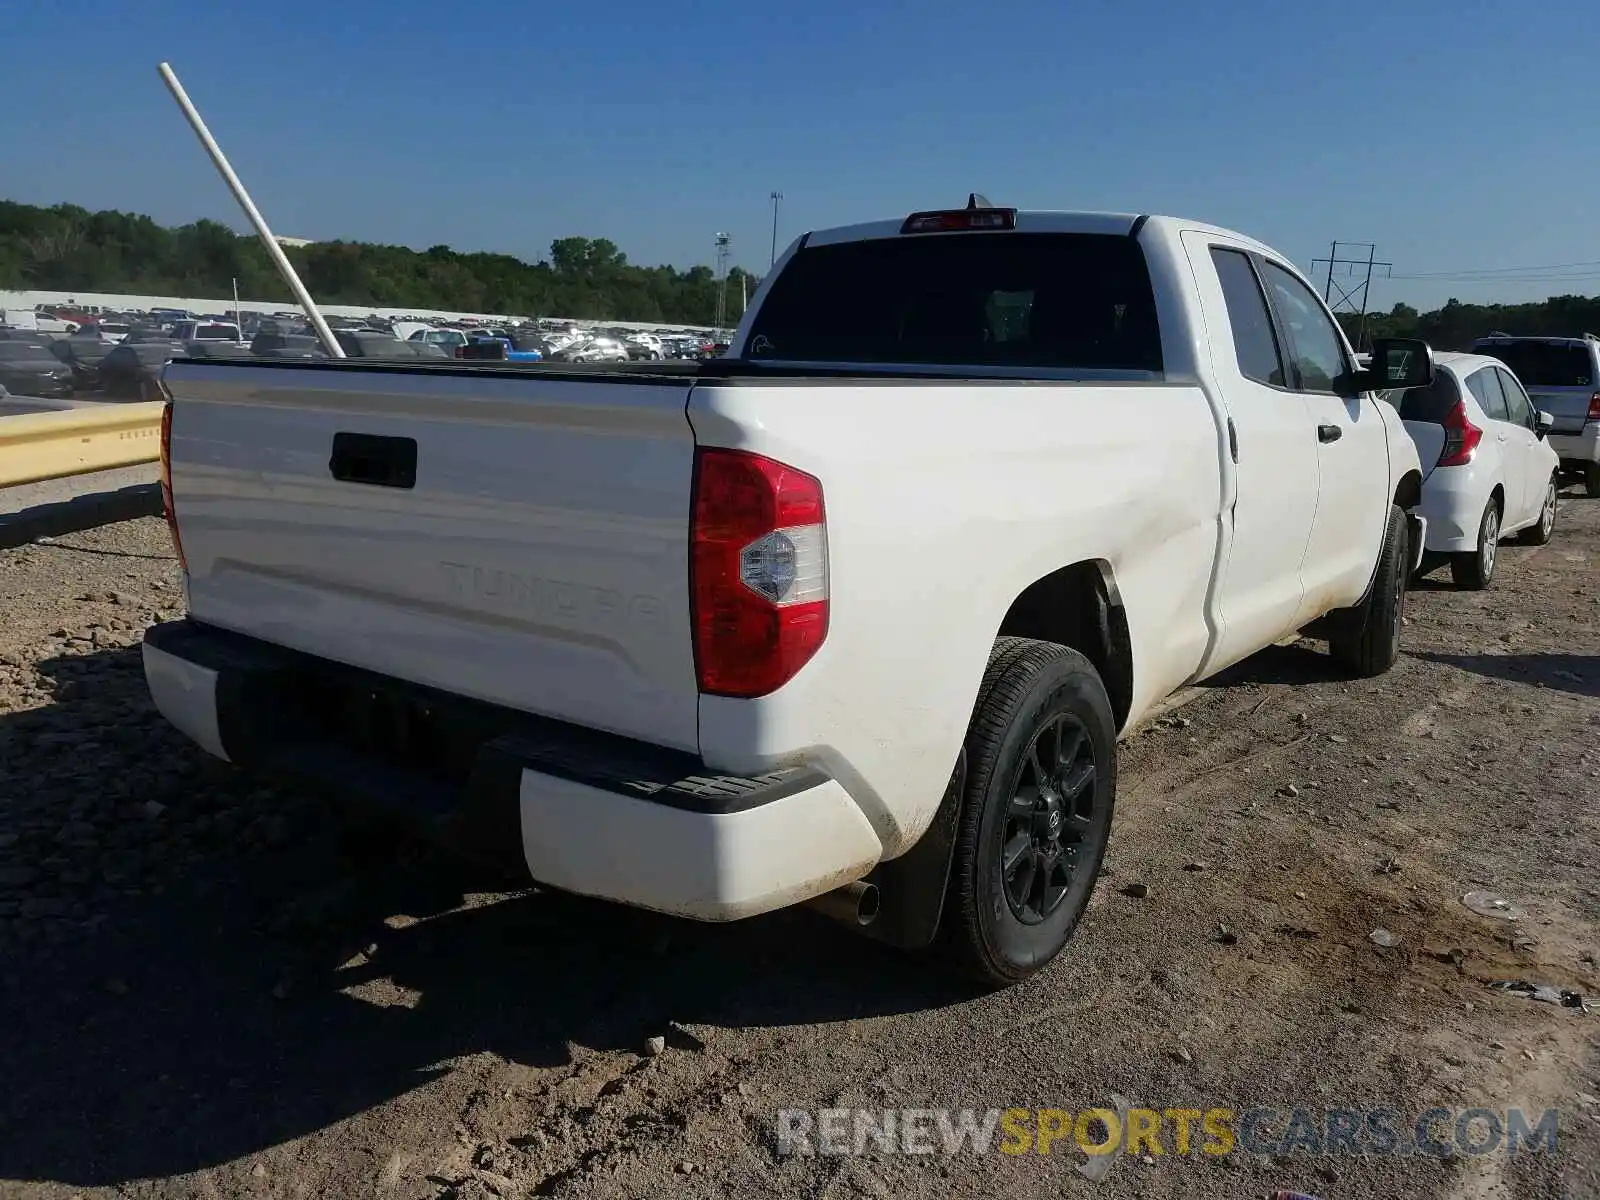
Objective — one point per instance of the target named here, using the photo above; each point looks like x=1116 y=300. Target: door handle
x=1233 y=440
x=373 y=459
x=1329 y=433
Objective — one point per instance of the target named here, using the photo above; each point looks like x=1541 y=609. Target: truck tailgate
x=517 y=538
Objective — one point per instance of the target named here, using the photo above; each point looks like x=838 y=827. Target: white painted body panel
x=540 y=562
x=945 y=499
x=709 y=866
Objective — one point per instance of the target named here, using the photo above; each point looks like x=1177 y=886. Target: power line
x=1584 y=277
x=1591 y=265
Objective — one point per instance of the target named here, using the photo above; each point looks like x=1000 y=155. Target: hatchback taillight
x=758 y=572
x=1461 y=437
x=1594 y=407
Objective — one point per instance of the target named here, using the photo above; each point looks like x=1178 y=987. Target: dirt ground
x=210 y=988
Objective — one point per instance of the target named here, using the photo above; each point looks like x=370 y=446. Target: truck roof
x=1045 y=221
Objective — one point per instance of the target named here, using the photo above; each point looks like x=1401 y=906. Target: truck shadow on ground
x=1303 y=662
x=196 y=968
x=1575 y=673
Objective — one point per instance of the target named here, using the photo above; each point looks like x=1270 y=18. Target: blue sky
x=1457 y=135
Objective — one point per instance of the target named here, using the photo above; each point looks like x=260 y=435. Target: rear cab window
x=1255 y=342
x=1037 y=300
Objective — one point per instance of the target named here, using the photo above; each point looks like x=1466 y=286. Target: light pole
x=722 y=277
x=777 y=199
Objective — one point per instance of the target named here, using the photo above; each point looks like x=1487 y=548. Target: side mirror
x=1543 y=422
x=1396 y=364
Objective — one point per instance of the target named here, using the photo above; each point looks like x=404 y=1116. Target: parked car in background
x=83 y=354
x=50 y=323
x=30 y=368
x=362 y=343
x=1562 y=376
x=213 y=349
x=111 y=332
x=132 y=371
x=446 y=339
x=206 y=331
x=287 y=345
x=526 y=345
x=146 y=333
x=1487 y=465
x=591 y=350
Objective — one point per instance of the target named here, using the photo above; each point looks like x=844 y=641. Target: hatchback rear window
x=1544 y=364
x=1431 y=403
x=1043 y=300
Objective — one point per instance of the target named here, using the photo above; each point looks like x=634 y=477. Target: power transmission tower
x=722 y=277
x=777 y=199
x=1351 y=300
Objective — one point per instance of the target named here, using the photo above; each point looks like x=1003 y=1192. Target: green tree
x=67 y=248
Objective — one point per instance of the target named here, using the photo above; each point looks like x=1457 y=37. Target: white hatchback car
x=1487 y=469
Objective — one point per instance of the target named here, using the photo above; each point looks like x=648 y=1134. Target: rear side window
x=1485 y=387
x=1254 y=341
x=1045 y=300
x=1518 y=408
x=1432 y=403
x=1544 y=364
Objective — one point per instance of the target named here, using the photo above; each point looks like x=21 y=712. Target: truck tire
x=1538 y=534
x=1475 y=568
x=1036 y=811
x=1591 y=480
x=1368 y=643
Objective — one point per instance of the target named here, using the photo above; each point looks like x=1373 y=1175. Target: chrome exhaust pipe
x=855 y=904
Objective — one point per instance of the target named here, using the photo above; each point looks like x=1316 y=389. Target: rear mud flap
x=912 y=887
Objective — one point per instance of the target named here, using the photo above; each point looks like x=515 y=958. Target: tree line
x=68 y=248
x=1457 y=325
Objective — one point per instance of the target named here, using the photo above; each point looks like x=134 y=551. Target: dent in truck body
x=883 y=707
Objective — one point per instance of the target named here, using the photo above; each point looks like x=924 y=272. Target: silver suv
x=1562 y=376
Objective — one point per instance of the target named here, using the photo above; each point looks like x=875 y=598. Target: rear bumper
x=587 y=812
x=1577 y=449
x=1452 y=505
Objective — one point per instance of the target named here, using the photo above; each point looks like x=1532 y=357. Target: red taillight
x=166 y=483
x=960 y=218
x=1594 y=407
x=1461 y=437
x=758 y=572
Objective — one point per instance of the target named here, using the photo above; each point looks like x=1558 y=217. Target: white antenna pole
x=274 y=251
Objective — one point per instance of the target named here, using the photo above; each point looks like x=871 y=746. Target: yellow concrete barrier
x=50 y=445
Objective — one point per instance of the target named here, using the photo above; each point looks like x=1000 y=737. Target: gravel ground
x=54 y=491
x=211 y=986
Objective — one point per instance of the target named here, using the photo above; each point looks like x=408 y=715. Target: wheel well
x=1077 y=606
x=1498 y=494
x=1409 y=493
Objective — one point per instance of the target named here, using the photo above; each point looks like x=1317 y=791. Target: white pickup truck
x=853 y=616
